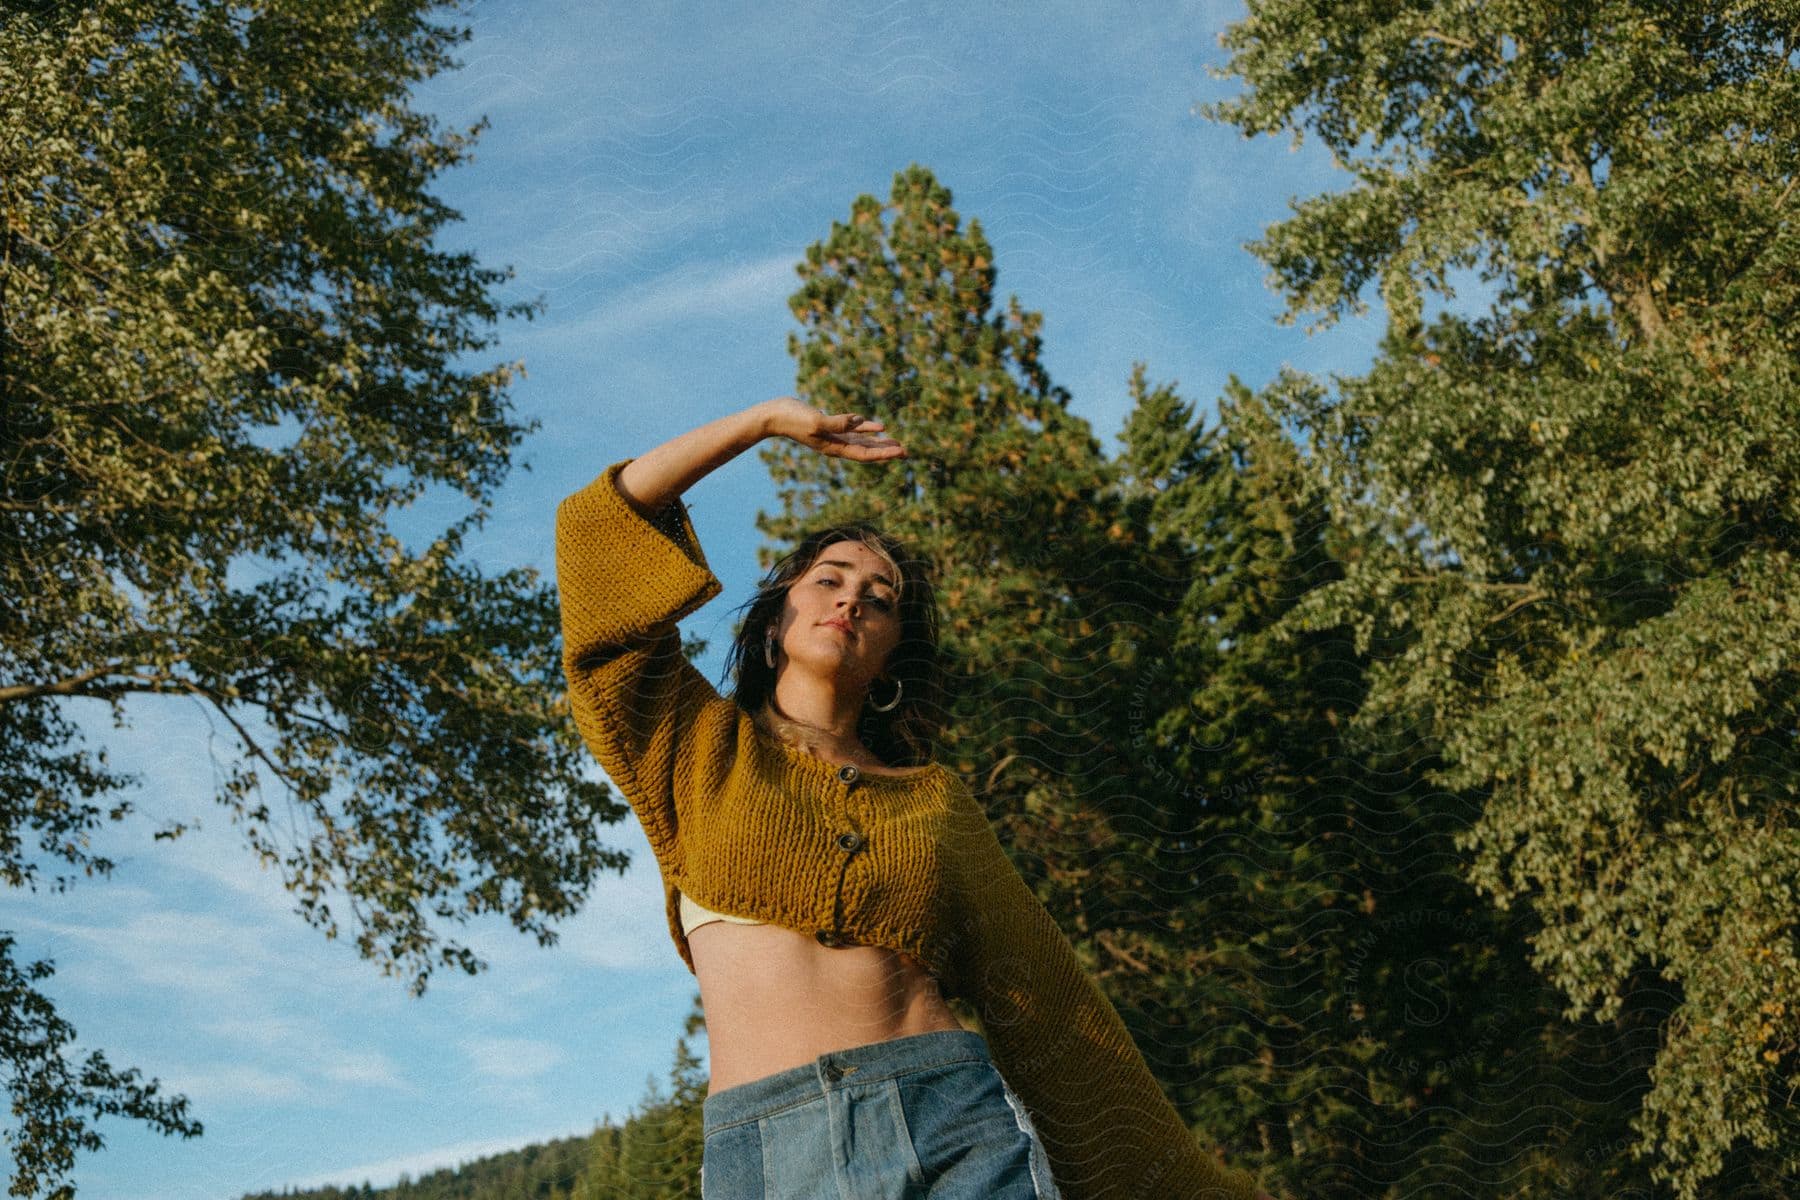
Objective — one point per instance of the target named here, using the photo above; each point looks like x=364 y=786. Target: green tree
x=52 y=1100
x=1576 y=479
x=657 y=1155
x=896 y=309
x=1352 y=1010
x=1047 y=585
x=229 y=358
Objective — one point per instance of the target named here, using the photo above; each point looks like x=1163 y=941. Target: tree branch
x=251 y=743
x=162 y=683
x=1785 y=193
x=1634 y=298
x=1488 y=584
x=1439 y=36
x=1515 y=606
x=79 y=685
x=1111 y=944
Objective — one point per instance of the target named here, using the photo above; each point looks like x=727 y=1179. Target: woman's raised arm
x=658 y=476
x=629 y=567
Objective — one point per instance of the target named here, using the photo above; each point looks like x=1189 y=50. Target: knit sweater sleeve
x=623 y=582
x=1109 y=1129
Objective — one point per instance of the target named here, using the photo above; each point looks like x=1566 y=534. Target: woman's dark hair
x=904 y=737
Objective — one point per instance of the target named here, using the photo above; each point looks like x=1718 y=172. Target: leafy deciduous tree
x=228 y=358
x=1597 y=444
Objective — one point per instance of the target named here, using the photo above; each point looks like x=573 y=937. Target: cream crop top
x=693 y=915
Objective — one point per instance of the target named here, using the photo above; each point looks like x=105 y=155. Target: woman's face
x=851 y=585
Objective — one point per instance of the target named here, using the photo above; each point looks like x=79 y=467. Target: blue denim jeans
x=918 y=1117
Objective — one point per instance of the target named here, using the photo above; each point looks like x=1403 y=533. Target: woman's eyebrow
x=838 y=562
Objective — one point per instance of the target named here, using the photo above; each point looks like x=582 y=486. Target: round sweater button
x=849 y=841
x=827 y=938
x=848 y=772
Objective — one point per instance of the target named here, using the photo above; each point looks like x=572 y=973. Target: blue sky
x=654 y=172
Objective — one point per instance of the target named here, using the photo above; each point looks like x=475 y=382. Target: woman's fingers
x=863 y=449
x=855 y=437
x=856 y=422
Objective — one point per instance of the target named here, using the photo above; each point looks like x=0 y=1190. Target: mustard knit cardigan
x=750 y=826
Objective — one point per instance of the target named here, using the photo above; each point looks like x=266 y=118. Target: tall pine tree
x=1043 y=578
x=1357 y=996
x=659 y=1151
x=1002 y=489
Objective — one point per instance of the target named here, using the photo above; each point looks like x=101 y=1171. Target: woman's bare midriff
x=775 y=998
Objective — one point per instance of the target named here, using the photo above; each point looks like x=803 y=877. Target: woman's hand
x=841 y=435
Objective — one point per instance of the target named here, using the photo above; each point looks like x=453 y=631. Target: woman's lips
x=848 y=632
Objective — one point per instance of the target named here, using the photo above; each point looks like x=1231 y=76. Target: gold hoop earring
x=899 y=686
x=769 y=647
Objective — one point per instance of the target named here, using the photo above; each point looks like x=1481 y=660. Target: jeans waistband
x=840 y=1069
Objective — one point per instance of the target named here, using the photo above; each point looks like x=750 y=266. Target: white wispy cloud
x=361 y=1069
x=511 y=1058
x=707 y=291
x=236 y=1084
x=308 y=1047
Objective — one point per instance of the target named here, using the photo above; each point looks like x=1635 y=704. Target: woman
x=828 y=884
